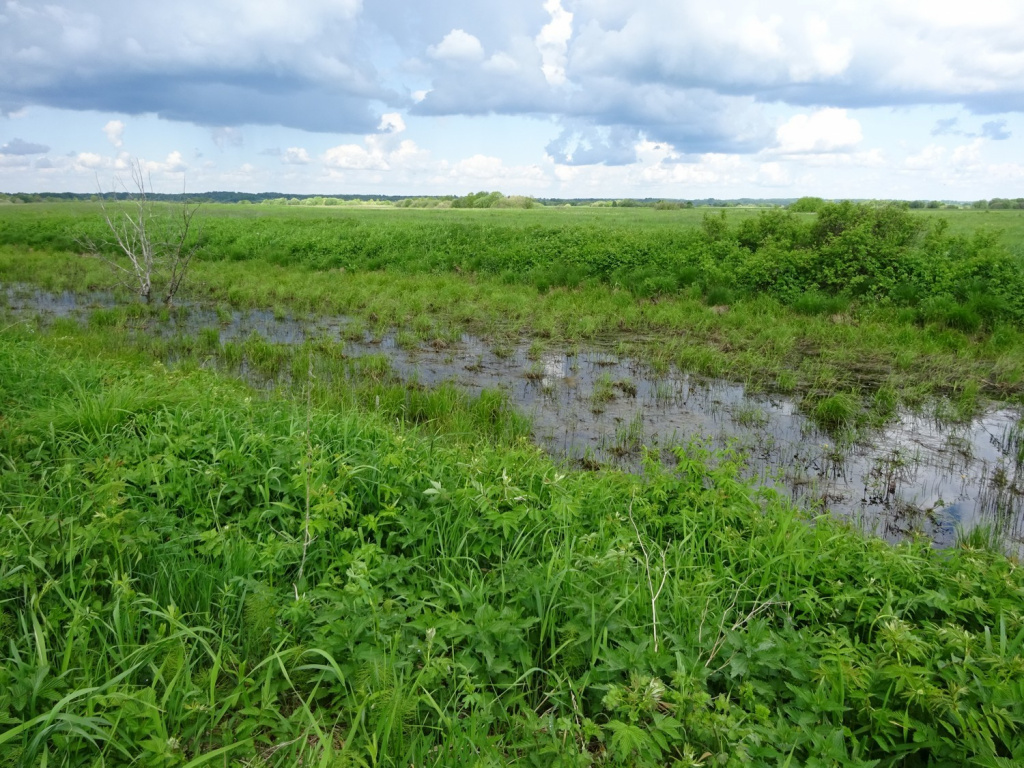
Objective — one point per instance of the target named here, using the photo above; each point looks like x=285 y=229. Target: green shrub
x=871 y=252
x=807 y=205
x=718 y=295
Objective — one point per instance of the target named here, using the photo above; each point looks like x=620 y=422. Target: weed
x=629 y=436
x=209 y=339
x=984 y=538
x=786 y=381
x=834 y=412
x=535 y=372
x=407 y=340
x=603 y=392
x=503 y=350
x=626 y=387
x=817 y=303
x=664 y=392
x=750 y=416
x=718 y=296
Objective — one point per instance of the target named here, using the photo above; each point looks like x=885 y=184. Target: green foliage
x=817 y=303
x=834 y=412
x=460 y=602
x=807 y=205
x=718 y=295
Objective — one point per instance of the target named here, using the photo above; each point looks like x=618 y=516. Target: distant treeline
x=204 y=197
x=1000 y=204
x=494 y=199
x=482 y=199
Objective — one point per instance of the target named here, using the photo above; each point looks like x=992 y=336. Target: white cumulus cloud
x=173 y=163
x=391 y=122
x=115 y=132
x=457 y=45
x=553 y=42
x=295 y=156
x=827 y=130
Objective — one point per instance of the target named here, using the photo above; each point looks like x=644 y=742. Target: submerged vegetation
x=349 y=569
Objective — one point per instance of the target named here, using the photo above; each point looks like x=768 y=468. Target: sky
x=909 y=99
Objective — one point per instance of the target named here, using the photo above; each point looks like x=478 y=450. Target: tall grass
x=461 y=602
x=846 y=252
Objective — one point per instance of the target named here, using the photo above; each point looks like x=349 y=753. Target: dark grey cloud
x=304 y=64
x=215 y=100
x=602 y=116
x=693 y=121
x=19 y=147
x=694 y=74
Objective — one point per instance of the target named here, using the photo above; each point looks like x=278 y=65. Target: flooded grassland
x=921 y=472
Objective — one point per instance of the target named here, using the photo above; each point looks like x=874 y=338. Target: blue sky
x=551 y=98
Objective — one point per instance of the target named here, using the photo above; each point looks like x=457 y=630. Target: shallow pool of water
x=918 y=474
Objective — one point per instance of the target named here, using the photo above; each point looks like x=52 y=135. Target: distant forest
x=484 y=200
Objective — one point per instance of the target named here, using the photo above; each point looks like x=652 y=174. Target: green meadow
x=340 y=568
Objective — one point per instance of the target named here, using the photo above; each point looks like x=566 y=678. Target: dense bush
x=807 y=205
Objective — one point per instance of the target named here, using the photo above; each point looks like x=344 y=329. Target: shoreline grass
x=858 y=299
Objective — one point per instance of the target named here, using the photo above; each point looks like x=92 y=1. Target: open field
x=259 y=549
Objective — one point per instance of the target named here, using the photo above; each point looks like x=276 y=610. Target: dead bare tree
x=151 y=245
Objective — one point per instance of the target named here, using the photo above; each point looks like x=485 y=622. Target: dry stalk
x=654 y=593
x=152 y=252
x=306 y=539
x=759 y=608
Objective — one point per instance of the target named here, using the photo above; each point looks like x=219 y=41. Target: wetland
x=550 y=486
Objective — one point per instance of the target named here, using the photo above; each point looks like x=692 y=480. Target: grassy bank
x=194 y=573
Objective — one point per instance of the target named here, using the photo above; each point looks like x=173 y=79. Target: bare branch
x=654 y=593
x=151 y=248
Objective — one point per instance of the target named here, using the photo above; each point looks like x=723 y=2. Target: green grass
x=196 y=573
x=835 y=412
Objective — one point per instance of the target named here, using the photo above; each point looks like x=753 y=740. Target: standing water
x=916 y=475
